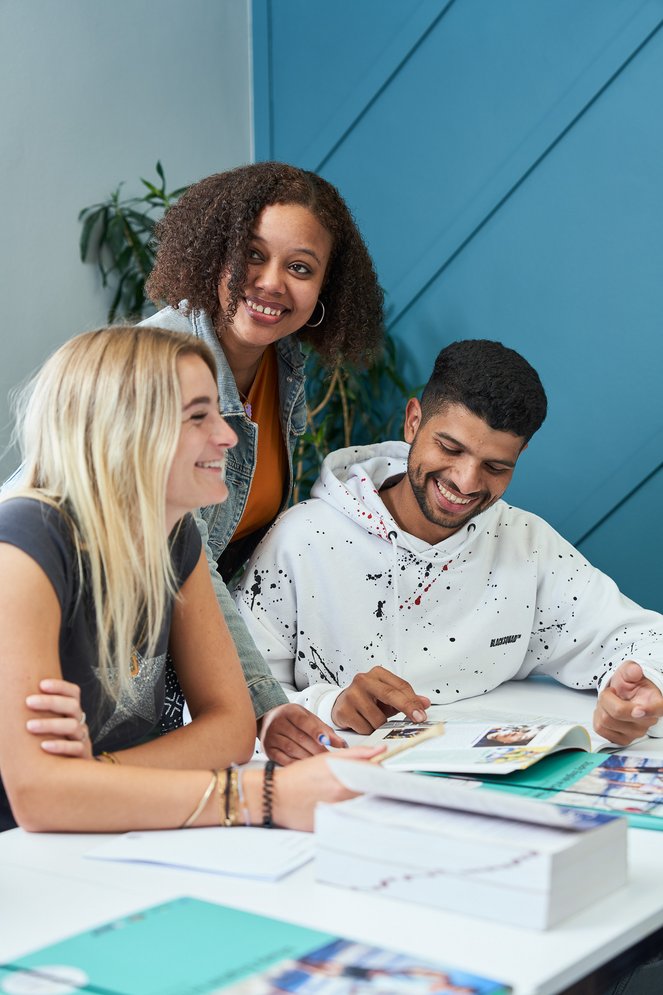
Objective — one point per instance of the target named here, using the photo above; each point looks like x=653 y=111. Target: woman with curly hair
x=255 y=261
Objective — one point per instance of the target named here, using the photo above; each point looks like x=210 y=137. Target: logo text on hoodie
x=502 y=640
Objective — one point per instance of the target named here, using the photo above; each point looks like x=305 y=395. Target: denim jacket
x=217 y=523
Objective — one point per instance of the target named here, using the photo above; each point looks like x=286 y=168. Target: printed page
x=242 y=852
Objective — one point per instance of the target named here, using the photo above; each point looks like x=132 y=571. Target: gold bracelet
x=229 y=798
x=232 y=812
x=203 y=801
x=221 y=793
x=110 y=757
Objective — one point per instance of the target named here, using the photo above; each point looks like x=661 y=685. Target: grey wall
x=94 y=93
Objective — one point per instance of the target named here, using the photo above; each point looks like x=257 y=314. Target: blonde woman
x=103 y=573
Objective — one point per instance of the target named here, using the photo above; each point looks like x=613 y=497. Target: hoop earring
x=317 y=323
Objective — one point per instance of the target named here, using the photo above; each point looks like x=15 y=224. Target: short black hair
x=493 y=382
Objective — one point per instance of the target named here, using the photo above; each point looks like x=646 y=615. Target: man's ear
x=413 y=419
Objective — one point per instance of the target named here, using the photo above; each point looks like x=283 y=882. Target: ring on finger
x=81 y=721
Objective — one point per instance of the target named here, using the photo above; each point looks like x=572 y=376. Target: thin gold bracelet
x=110 y=757
x=221 y=794
x=232 y=807
x=203 y=801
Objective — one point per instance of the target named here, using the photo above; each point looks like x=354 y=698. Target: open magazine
x=623 y=783
x=482 y=743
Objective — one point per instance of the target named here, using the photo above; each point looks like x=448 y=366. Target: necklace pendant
x=248 y=409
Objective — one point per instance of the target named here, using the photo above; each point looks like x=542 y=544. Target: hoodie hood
x=350 y=481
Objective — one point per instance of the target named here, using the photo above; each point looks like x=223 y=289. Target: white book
x=468 y=851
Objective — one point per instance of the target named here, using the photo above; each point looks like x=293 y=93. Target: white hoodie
x=336 y=588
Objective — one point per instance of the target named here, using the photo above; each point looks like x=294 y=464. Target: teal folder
x=191 y=947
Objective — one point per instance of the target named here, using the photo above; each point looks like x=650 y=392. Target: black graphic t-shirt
x=43 y=533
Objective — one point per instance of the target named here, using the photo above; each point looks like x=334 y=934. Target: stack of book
x=479 y=852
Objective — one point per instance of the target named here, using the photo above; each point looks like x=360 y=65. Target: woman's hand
x=301 y=785
x=67 y=726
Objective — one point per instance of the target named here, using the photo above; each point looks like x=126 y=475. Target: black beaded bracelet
x=268 y=794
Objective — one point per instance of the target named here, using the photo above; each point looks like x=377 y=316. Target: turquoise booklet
x=190 y=947
x=621 y=783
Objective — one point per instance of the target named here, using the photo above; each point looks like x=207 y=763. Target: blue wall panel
x=632 y=535
x=503 y=160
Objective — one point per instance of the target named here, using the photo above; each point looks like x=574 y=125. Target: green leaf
x=154 y=192
x=90 y=223
x=112 y=311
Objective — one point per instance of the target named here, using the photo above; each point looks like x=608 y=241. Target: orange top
x=266 y=492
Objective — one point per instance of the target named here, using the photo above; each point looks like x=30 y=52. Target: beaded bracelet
x=268 y=794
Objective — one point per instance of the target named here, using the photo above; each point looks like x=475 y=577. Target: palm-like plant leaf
x=117 y=235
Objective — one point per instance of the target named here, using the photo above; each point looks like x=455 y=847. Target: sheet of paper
x=238 y=852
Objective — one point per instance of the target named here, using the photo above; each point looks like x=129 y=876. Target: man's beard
x=435 y=515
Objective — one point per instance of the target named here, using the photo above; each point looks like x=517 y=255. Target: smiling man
x=407 y=580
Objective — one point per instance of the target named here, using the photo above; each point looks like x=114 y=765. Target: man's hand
x=290 y=732
x=373 y=697
x=629 y=706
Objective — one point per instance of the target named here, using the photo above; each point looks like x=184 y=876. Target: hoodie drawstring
x=393 y=538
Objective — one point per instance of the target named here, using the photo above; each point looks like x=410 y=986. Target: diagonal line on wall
x=398 y=314
x=270 y=80
x=383 y=86
x=622 y=501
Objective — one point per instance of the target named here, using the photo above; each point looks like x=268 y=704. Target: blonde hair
x=98 y=431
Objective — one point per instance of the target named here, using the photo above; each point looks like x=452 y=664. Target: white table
x=49 y=890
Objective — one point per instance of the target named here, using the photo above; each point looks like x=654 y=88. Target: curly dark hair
x=493 y=382
x=207 y=233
